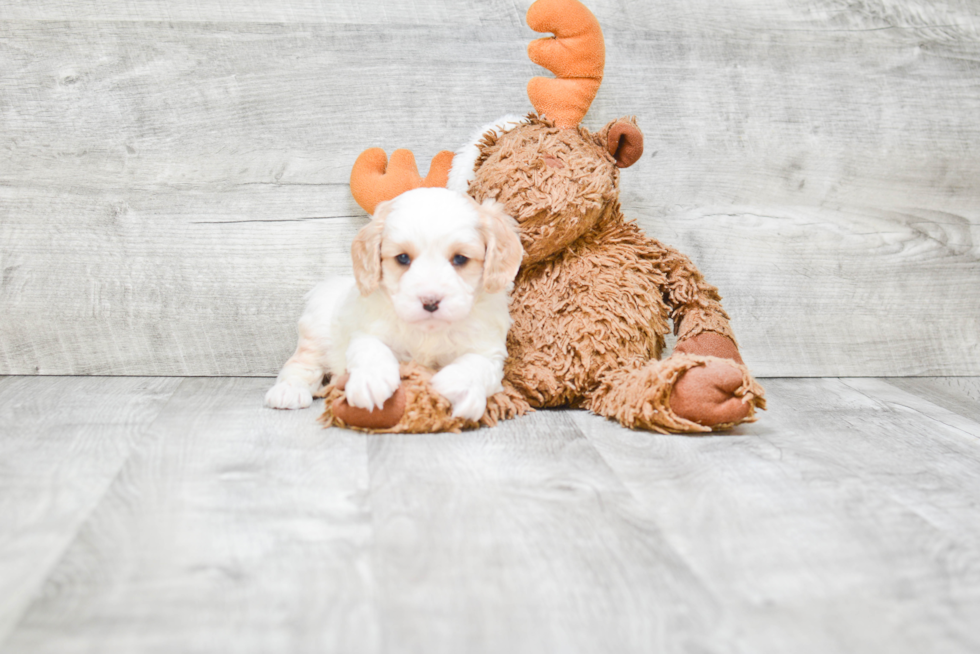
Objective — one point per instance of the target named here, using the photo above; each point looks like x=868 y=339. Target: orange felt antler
x=576 y=55
x=374 y=179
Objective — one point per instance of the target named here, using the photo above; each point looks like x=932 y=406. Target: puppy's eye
x=460 y=260
x=403 y=259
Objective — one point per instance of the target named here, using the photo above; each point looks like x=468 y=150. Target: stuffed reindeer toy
x=594 y=296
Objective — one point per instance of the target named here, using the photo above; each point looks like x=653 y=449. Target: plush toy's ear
x=366 y=251
x=624 y=140
x=504 y=251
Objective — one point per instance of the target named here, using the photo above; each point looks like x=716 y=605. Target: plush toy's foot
x=415 y=408
x=384 y=418
x=684 y=393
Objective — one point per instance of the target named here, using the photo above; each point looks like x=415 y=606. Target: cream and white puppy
x=432 y=274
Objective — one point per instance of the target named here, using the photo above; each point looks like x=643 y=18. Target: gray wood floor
x=178 y=515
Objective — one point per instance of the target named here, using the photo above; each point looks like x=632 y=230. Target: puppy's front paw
x=287 y=396
x=369 y=390
x=469 y=401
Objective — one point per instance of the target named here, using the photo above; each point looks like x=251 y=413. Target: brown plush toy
x=594 y=295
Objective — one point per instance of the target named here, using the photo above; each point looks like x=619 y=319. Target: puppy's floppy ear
x=365 y=251
x=504 y=251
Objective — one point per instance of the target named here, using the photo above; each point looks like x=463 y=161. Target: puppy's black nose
x=431 y=304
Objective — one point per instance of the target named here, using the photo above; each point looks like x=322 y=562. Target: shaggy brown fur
x=592 y=302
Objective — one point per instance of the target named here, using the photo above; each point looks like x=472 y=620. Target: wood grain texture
x=958 y=394
x=814 y=158
x=238 y=528
x=376 y=12
x=521 y=539
x=845 y=291
x=844 y=520
x=163 y=281
x=62 y=443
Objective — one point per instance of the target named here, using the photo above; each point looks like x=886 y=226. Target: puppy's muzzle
x=430 y=304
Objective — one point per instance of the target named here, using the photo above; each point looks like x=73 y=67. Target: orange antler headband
x=374 y=179
x=576 y=55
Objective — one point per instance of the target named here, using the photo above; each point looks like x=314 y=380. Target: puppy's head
x=433 y=252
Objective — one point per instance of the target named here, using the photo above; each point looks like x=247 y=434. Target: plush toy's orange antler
x=576 y=55
x=374 y=179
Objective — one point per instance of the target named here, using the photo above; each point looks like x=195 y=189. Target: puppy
x=432 y=274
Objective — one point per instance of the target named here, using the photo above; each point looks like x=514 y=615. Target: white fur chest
x=483 y=332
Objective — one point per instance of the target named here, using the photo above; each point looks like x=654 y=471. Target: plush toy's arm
x=416 y=407
x=719 y=391
x=695 y=305
x=704 y=385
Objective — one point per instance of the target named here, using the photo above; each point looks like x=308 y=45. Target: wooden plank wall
x=173 y=175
